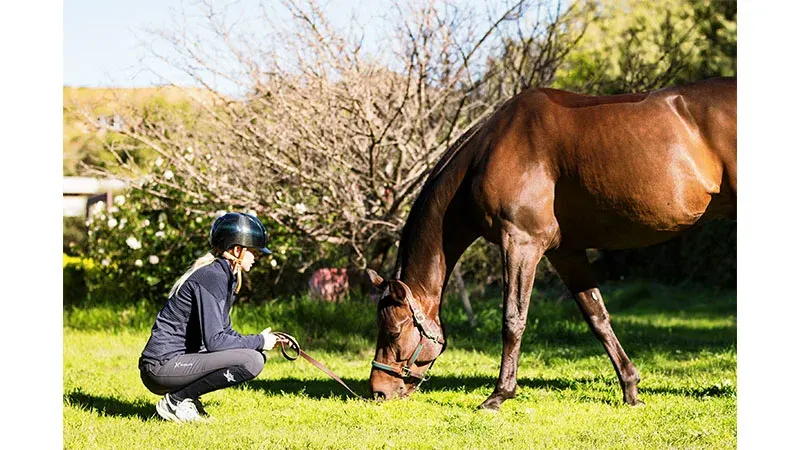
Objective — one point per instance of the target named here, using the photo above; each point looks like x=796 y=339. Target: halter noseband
x=421 y=322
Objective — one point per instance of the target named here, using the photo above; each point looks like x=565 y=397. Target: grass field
x=683 y=341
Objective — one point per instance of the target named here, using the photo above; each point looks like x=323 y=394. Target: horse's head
x=409 y=340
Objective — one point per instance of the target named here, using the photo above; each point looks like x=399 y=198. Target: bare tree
x=324 y=137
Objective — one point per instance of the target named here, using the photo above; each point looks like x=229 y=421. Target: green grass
x=683 y=340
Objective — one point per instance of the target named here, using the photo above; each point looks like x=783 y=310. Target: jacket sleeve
x=213 y=323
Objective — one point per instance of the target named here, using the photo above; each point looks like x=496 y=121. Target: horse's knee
x=513 y=329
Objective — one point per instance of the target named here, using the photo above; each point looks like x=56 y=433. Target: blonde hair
x=205 y=260
x=202 y=261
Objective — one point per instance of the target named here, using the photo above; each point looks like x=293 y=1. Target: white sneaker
x=184 y=411
x=166 y=409
x=187 y=411
x=202 y=410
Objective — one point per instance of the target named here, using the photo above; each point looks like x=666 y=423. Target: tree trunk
x=462 y=290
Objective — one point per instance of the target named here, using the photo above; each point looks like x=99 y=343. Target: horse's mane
x=427 y=190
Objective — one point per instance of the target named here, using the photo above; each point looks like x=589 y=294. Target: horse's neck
x=432 y=240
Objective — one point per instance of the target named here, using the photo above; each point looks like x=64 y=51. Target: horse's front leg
x=521 y=253
x=575 y=271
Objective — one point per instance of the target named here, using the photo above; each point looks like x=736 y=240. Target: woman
x=193 y=350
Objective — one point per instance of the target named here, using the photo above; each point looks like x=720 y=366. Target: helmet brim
x=264 y=250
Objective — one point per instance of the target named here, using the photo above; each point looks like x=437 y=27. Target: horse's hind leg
x=574 y=269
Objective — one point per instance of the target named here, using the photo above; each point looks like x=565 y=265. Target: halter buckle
x=419 y=316
x=405 y=371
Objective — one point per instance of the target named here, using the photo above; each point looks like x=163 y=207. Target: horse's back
x=621 y=170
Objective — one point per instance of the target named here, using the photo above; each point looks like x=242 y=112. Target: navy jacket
x=197 y=317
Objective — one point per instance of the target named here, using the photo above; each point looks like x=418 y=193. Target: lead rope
x=285 y=340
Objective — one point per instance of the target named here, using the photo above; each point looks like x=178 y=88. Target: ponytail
x=202 y=261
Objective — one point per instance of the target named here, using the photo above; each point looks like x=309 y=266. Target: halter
x=427 y=333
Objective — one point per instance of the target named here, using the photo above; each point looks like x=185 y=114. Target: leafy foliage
x=634 y=46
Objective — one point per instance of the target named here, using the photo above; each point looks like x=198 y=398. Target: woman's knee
x=151 y=384
x=253 y=362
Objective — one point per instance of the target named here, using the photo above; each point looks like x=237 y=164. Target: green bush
x=139 y=248
x=705 y=254
x=75 y=270
x=149 y=236
x=74 y=236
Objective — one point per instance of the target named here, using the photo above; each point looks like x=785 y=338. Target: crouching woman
x=193 y=349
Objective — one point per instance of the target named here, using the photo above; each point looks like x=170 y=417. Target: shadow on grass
x=330 y=389
x=577 y=341
x=316 y=389
x=109 y=406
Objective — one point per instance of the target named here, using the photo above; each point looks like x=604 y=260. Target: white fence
x=81 y=192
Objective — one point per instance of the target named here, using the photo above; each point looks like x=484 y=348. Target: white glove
x=269 y=339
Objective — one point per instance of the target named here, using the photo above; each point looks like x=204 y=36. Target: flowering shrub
x=142 y=242
x=140 y=248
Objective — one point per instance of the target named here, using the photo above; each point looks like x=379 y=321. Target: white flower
x=138 y=263
x=122 y=223
x=273 y=263
x=160 y=225
x=168 y=175
x=153 y=259
x=146 y=223
x=160 y=234
x=189 y=149
x=97 y=208
x=198 y=219
x=133 y=243
x=119 y=200
x=112 y=222
x=159 y=162
x=300 y=208
x=105 y=261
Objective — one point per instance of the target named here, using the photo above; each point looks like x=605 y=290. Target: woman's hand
x=269 y=339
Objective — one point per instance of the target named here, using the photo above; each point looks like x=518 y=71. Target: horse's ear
x=376 y=279
x=397 y=291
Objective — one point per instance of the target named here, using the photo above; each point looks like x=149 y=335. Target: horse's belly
x=637 y=216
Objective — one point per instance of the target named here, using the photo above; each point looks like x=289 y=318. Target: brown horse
x=554 y=173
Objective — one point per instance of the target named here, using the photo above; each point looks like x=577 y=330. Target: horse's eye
x=393 y=335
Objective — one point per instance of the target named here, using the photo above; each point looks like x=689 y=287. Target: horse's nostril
x=379 y=396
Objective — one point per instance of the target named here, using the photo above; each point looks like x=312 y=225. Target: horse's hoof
x=490 y=404
x=635 y=403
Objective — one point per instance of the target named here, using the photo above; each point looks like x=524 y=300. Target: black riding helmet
x=238 y=229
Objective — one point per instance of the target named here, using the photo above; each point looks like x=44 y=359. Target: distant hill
x=83 y=140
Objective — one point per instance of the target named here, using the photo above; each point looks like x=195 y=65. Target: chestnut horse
x=555 y=173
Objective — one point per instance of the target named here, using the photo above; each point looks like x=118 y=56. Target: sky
x=105 y=41
x=100 y=44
